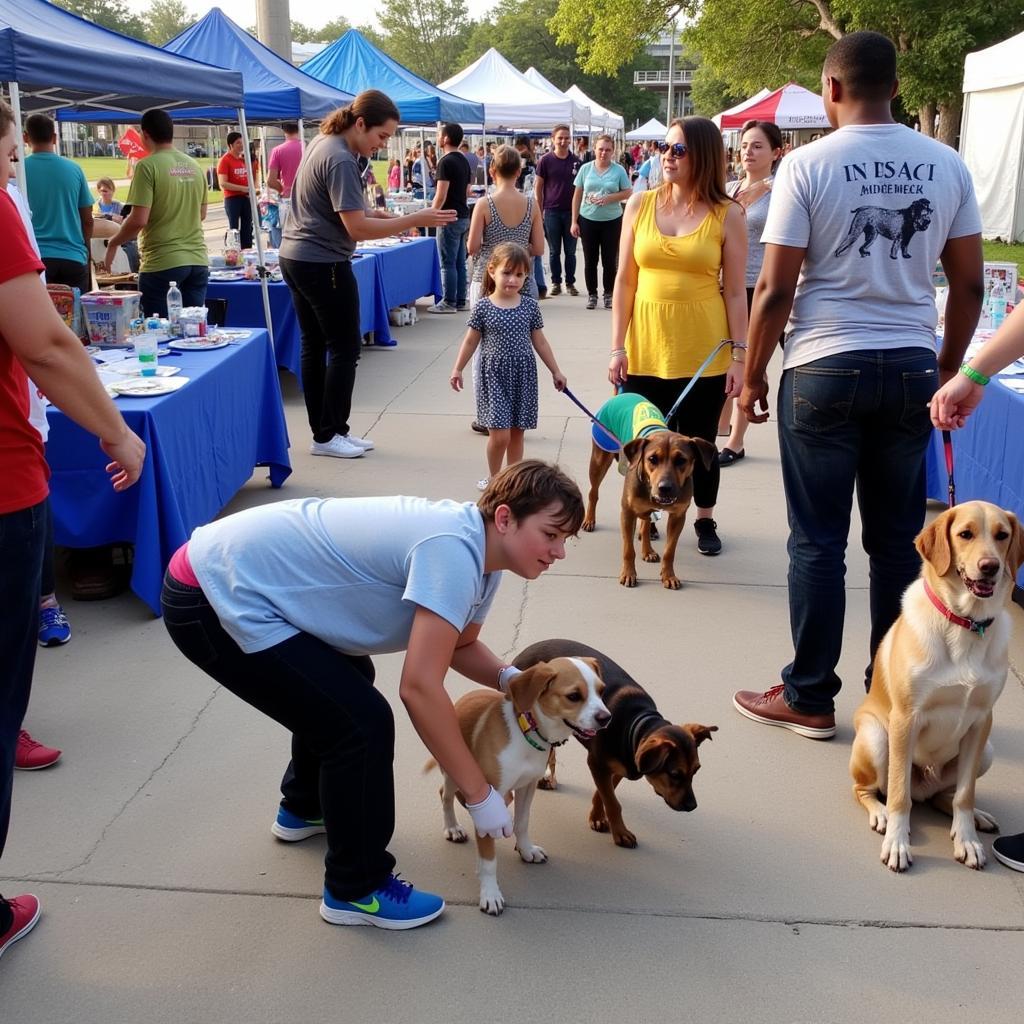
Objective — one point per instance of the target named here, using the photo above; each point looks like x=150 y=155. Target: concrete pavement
x=165 y=898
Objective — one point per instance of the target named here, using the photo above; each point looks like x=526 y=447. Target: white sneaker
x=338 y=447
x=360 y=442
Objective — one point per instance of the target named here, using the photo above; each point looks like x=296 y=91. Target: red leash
x=947 y=444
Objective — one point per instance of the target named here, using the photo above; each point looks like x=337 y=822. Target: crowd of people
x=286 y=604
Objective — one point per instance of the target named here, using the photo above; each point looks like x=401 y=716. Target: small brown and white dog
x=510 y=737
x=922 y=731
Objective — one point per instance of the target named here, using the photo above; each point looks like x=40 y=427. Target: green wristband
x=972 y=374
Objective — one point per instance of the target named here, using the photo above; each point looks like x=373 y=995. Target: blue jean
x=557 y=224
x=191 y=282
x=538 y=273
x=451 y=248
x=857 y=418
x=22 y=537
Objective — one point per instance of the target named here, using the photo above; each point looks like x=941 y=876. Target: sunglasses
x=677 y=149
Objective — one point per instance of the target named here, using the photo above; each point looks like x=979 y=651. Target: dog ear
x=699 y=732
x=1015 y=554
x=526 y=688
x=652 y=754
x=932 y=542
x=634 y=451
x=595 y=665
x=705 y=451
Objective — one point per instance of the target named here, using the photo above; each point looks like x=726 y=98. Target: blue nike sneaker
x=291 y=828
x=395 y=905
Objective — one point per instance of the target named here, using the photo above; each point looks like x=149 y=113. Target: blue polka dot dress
x=505 y=374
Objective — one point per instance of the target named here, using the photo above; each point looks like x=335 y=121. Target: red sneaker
x=26 y=913
x=31 y=755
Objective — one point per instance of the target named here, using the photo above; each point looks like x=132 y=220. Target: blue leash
x=586 y=412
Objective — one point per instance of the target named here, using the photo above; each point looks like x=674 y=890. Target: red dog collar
x=974 y=625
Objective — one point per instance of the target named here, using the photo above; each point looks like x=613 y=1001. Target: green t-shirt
x=173 y=187
x=57 y=192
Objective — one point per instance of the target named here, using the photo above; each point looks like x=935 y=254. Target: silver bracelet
x=618 y=352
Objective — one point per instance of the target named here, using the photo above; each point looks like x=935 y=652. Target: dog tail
x=429 y=766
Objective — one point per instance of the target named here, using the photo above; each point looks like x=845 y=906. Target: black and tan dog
x=637 y=742
x=658 y=478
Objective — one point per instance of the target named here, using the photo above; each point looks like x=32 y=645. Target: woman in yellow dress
x=680 y=290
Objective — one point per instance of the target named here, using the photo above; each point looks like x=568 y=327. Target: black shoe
x=571 y=289
x=477 y=428
x=542 y=293
x=708 y=542
x=726 y=457
x=591 y=302
x=607 y=300
x=556 y=289
x=1010 y=851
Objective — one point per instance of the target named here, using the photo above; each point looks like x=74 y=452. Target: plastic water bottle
x=174 y=305
x=997 y=308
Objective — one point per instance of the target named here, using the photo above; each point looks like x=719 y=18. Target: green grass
x=1000 y=252
x=117 y=168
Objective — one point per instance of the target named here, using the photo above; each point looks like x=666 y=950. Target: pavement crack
x=413 y=380
x=517 y=625
x=59 y=875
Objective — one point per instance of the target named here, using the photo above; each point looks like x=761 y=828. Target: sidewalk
x=165 y=898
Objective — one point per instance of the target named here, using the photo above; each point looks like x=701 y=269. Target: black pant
x=697 y=417
x=326 y=300
x=343 y=732
x=240 y=218
x=600 y=237
x=69 y=272
x=22 y=535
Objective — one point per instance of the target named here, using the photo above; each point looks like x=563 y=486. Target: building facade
x=657 y=79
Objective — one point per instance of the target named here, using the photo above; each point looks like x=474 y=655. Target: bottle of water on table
x=997 y=308
x=174 y=306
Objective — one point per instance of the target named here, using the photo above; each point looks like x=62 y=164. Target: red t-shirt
x=22 y=463
x=235 y=170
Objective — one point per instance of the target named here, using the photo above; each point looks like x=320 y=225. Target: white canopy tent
x=992 y=135
x=653 y=129
x=609 y=121
x=511 y=100
x=582 y=116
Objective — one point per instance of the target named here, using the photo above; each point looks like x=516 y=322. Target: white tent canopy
x=608 y=121
x=581 y=112
x=654 y=129
x=740 y=107
x=992 y=135
x=510 y=99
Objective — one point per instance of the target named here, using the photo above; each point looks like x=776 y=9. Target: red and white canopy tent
x=792 y=108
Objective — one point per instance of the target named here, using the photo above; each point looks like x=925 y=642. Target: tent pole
x=264 y=287
x=19 y=168
x=302 y=135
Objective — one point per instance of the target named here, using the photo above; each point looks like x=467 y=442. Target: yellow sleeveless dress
x=678 y=312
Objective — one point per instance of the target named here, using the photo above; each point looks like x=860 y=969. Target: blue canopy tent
x=354 y=63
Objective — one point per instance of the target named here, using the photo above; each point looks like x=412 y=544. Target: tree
x=113 y=14
x=334 y=29
x=166 y=19
x=427 y=36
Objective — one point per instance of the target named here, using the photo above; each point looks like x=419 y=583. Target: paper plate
x=148 y=387
x=198 y=344
x=133 y=368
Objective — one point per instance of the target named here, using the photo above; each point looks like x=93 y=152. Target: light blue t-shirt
x=57 y=190
x=350 y=571
x=592 y=181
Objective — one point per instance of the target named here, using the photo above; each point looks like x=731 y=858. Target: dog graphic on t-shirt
x=899 y=226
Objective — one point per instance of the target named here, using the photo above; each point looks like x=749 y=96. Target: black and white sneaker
x=708 y=541
x=1009 y=850
x=591 y=302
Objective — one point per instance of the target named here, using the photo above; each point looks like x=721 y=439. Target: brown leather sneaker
x=770 y=708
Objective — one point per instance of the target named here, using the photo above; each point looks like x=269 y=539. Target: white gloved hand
x=491 y=817
x=506 y=675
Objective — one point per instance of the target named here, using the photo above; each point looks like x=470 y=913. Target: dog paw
x=532 y=854
x=625 y=838
x=627 y=579
x=491 y=900
x=671 y=582
x=598 y=824
x=652 y=556
x=456 y=834
x=984 y=822
x=878 y=819
x=969 y=851
x=896 y=854
x=547 y=783
x=587 y=526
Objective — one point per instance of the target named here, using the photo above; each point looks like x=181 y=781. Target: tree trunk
x=949 y=121
x=926 y=117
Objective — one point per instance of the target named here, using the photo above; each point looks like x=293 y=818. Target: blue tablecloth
x=988 y=464
x=408 y=271
x=202 y=443
x=245 y=309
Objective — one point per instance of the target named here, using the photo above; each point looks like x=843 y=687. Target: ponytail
x=373 y=106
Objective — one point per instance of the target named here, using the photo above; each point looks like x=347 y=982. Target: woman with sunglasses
x=760 y=153
x=679 y=291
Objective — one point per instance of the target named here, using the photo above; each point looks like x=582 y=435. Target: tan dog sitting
x=922 y=731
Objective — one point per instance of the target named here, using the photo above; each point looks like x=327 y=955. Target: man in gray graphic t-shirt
x=857 y=222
